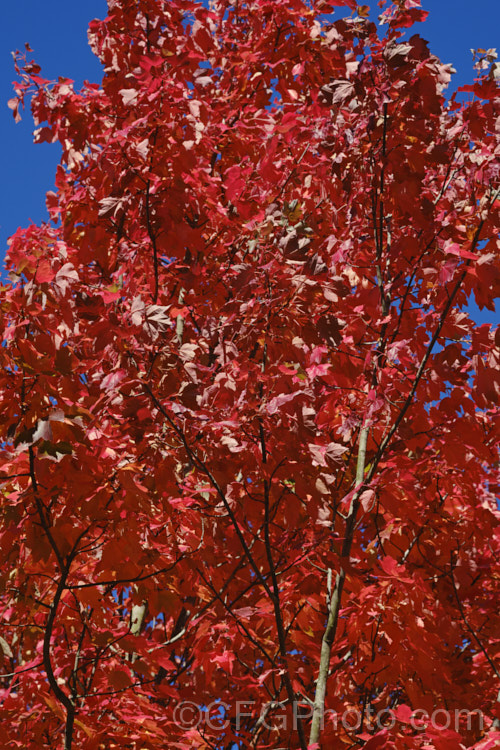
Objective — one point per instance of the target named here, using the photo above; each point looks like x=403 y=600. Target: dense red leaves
x=265 y=230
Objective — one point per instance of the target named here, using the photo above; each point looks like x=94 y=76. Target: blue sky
x=57 y=32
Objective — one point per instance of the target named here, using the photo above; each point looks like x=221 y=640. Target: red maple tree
x=249 y=429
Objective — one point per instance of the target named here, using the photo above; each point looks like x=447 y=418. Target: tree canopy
x=249 y=429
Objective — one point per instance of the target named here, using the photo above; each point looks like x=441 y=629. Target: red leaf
x=377 y=741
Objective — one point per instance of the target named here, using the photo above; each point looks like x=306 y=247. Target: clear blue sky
x=57 y=32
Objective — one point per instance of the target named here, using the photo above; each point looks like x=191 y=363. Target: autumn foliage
x=249 y=431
